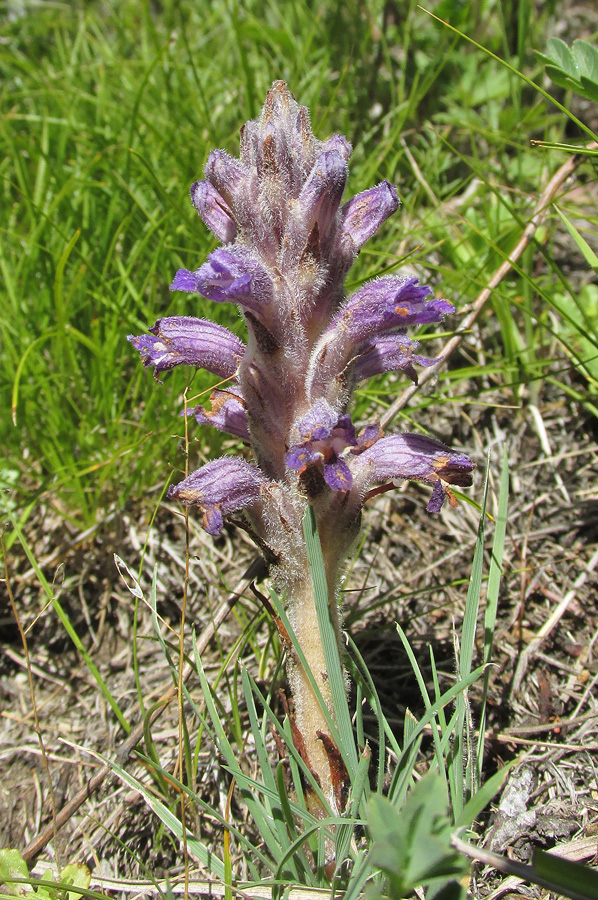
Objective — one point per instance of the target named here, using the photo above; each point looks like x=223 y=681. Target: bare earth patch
x=413 y=569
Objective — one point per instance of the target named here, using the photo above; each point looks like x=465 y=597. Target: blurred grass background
x=108 y=112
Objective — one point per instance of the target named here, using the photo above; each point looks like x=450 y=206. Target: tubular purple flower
x=186 y=341
x=321 y=196
x=231 y=274
x=338 y=143
x=387 y=353
x=214 y=211
x=322 y=436
x=227 y=414
x=384 y=305
x=363 y=215
x=226 y=174
x=221 y=487
x=420 y=458
x=395 y=301
x=273 y=155
x=321 y=423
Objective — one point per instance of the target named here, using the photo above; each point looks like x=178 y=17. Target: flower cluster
x=288 y=243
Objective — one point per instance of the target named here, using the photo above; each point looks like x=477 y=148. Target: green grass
x=108 y=111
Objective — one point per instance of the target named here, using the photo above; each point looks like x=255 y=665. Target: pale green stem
x=309 y=715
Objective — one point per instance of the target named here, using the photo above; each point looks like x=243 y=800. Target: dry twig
x=540 y=210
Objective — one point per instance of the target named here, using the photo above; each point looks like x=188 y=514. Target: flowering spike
x=289 y=243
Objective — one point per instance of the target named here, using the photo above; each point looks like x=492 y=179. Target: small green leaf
x=559 y=77
x=12 y=865
x=46 y=893
x=412 y=846
x=586 y=60
x=561 y=54
x=78 y=875
x=588 y=88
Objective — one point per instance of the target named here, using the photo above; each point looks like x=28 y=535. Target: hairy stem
x=310 y=717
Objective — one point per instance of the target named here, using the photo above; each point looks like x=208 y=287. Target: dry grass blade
x=519 y=872
x=551 y=622
x=196 y=888
x=253 y=572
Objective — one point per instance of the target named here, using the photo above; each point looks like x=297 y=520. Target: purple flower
x=363 y=215
x=232 y=275
x=338 y=143
x=322 y=436
x=395 y=301
x=419 y=458
x=227 y=413
x=184 y=341
x=214 y=210
x=321 y=195
x=385 y=306
x=221 y=487
x=226 y=175
x=387 y=353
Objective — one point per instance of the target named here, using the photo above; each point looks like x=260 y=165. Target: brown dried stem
x=538 y=215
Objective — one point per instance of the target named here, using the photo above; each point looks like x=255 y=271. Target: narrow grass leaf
x=295 y=842
x=361 y=676
x=334 y=668
x=288 y=739
x=196 y=848
x=66 y=622
x=19 y=370
x=564 y=876
x=492 y=592
x=583 y=246
x=281 y=814
x=262 y=816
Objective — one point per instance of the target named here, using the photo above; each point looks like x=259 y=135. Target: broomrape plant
x=288 y=244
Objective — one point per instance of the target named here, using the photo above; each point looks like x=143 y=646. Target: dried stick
x=550 y=624
x=255 y=571
x=538 y=215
